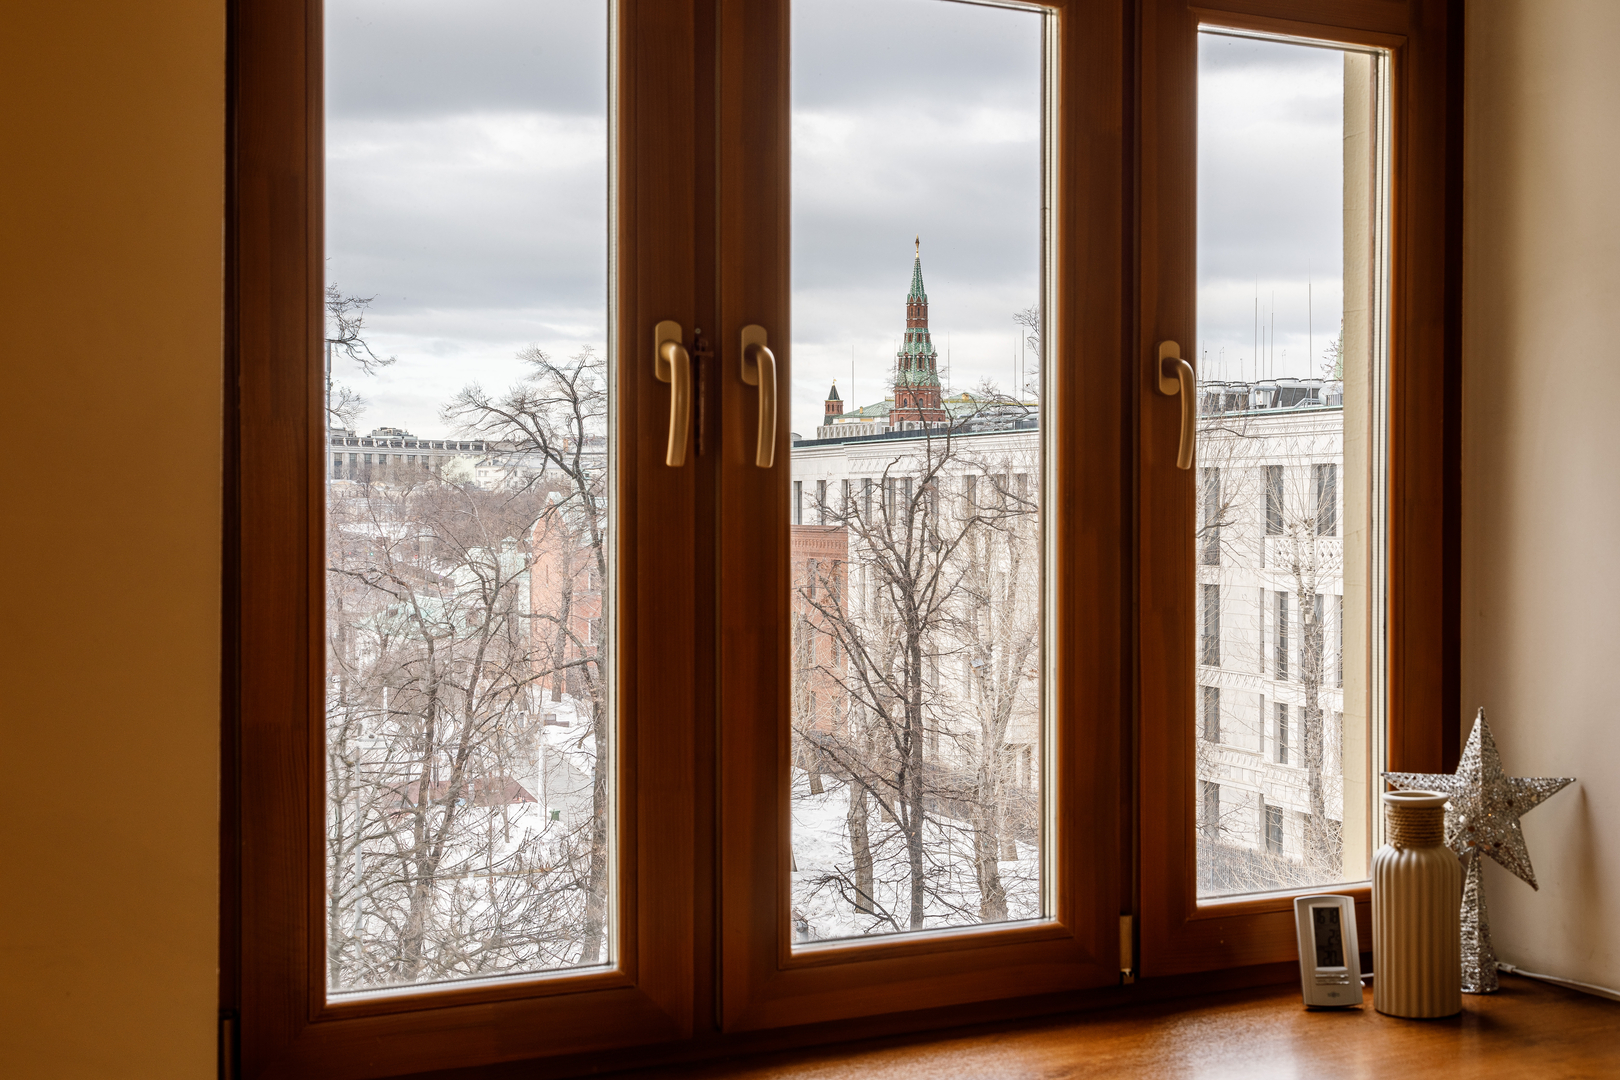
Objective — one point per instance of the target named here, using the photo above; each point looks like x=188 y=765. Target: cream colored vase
x=1416 y=895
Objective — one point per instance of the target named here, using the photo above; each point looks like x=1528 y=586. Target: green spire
x=916 y=292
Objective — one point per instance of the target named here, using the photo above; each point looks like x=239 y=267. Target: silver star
x=1482 y=817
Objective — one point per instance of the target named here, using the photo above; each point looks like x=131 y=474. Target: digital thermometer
x=1329 y=955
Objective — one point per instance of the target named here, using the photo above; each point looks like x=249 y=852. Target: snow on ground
x=824 y=876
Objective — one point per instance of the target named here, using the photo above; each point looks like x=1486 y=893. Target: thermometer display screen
x=1328 y=936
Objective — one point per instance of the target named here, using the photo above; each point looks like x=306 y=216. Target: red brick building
x=820 y=569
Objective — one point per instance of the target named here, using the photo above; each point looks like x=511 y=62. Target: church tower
x=916 y=365
x=834 y=405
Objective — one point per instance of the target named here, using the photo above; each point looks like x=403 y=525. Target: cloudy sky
x=467 y=183
x=1270 y=206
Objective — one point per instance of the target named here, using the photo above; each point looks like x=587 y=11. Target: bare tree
x=1000 y=614
x=345 y=334
x=940 y=570
x=429 y=730
x=555 y=422
x=1030 y=320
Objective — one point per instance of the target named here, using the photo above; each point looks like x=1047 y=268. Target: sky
x=467 y=191
x=1270 y=206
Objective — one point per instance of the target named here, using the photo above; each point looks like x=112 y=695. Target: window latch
x=1176 y=377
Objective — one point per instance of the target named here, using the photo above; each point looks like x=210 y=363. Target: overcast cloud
x=1270 y=205
x=467 y=189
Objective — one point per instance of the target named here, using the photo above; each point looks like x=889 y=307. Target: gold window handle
x=672 y=364
x=759 y=369
x=1176 y=377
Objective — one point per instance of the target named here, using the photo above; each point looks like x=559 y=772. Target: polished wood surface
x=1528 y=1029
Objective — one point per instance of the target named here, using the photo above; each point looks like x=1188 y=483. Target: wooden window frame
x=765 y=983
x=703 y=968
x=1179 y=934
x=272 y=978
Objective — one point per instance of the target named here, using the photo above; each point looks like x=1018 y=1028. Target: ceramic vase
x=1416 y=894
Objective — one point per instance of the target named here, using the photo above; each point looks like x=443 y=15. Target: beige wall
x=1541 y=495
x=111 y=120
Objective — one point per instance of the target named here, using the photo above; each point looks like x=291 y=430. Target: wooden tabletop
x=1528 y=1029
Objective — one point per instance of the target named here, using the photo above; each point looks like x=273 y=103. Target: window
x=967 y=584
x=1274 y=829
x=713 y=649
x=1325 y=487
x=1209 y=529
x=1209 y=651
x=1281 y=659
x=1274 y=500
x=1338 y=651
x=1280 y=740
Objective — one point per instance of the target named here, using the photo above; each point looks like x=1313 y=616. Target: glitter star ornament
x=1482 y=819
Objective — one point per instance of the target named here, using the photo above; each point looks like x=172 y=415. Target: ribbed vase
x=1416 y=893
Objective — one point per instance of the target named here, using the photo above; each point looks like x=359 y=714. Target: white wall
x=111 y=216
x=1541 y=495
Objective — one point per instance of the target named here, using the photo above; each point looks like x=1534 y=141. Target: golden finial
x=919 y=245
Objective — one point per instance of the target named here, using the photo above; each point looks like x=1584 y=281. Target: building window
x=889 y=486
x=1212 y=712
x=1209 y=651
x=845 y=503
x=1274 y=830
x=798 y=502
x=970 y=492
x=1281 y=656
x=1282 y=733
x=337 y=466
x=1210 y=528
x=1313 y=642
x=1326 y=484
x=1209 y=815
x=821 y=502
x=1274 y=500
x=866 y=499
x=1338 y=652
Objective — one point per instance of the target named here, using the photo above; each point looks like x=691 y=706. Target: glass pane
x=917 y=557
x=469 y=513
x=1290 y=351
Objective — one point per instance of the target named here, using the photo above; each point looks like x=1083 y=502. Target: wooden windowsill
x=1527 y=1029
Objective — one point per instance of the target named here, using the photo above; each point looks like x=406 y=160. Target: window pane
x=1290 y=234
x=469 y=528
x=917 y=738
